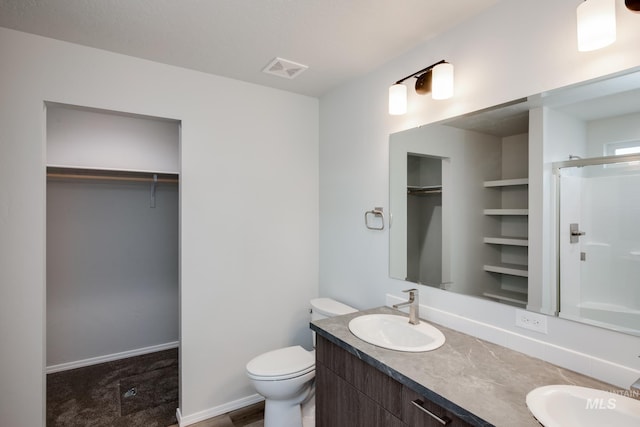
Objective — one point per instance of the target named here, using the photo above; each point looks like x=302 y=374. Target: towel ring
x=377 y=213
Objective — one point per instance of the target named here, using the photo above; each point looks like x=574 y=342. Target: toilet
x=285 y=377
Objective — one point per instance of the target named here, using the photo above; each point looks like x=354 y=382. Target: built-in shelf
x=510 y=269
x=68 y=173
x=506 y=255
x=521 y=212
x=506 y=182
x=511 y=297
x=424 y=190
x=509 y=241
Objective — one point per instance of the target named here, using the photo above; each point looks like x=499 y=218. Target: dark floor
x=140 y=391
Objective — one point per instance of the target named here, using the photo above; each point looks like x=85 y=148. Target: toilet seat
x=281 y=364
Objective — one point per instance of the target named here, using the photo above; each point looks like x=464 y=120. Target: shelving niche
x=506 y=231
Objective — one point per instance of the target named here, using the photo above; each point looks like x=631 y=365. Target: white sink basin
x=568 y=405
x=396 y=333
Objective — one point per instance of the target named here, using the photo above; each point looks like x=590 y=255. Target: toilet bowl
x=285 y=377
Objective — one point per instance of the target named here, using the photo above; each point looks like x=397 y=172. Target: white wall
x=514 y=49
x=107 y=140
x=112 y=270
x=249 y=213
x=618 y=129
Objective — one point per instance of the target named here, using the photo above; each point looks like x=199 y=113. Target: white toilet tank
x=322 y=308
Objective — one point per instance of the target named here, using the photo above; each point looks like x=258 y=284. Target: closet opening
x=113 y=256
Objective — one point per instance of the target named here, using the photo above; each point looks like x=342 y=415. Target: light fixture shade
x=397 y=99
x=596 y=24
x=442 y=81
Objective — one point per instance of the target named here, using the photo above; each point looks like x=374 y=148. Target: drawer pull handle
x=442 y=420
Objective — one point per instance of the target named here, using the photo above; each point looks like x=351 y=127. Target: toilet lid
x=288 y=361
x=329 y=307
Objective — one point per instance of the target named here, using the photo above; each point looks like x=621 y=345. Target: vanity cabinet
x=351 y=393
x=418 y=411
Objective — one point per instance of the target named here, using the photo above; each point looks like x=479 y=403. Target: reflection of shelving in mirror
x=515 y=298
x=506 y=192
x=425 y=190
x=520 y=212
x=508 y=241
x=506 y=182
x=510 y=269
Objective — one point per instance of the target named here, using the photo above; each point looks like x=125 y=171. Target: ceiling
x=338 y=40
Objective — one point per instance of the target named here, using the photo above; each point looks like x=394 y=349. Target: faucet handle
x=412 y=293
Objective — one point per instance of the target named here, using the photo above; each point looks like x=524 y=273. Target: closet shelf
x=509 y=269
x=507 y=182
x=415 y=190
x=508 y=241
x=512 y=297
x=55 y=172
x=522 y=212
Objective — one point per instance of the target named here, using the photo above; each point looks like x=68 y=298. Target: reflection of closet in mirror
x=506 y=231
x=424 y=219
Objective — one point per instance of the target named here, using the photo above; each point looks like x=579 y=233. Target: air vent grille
x=284 y=68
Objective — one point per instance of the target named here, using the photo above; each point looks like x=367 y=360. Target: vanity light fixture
x=436 y=79
x=632 y=5
x=596 y=24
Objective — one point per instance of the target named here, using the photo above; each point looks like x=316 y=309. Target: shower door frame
x=576 y=162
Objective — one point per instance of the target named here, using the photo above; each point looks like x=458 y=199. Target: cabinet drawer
x=339 y=404
x=378 y=386
x=420 y=412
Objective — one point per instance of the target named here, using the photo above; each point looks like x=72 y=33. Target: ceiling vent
x=284 y=68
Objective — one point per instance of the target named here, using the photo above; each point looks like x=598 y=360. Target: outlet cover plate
x=532 y=321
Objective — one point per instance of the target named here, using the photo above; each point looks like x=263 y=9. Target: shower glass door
x=599 y=247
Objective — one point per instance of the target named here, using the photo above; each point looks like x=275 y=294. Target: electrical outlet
x=532 y=321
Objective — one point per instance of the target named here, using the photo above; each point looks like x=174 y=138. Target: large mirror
x=472 y=196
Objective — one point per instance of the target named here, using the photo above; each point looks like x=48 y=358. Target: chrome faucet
x=414 y=306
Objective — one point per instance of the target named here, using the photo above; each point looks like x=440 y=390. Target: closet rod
x=107 y=175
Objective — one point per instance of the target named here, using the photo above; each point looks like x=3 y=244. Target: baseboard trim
x=110 y=357
x=217 y=410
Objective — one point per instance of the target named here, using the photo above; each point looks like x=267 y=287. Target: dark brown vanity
x=466 y=382
x=350 y=392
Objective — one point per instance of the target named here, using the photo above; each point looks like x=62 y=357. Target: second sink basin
x=396 y=333
x=568 y=405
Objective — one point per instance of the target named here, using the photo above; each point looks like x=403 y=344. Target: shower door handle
x=575 y=233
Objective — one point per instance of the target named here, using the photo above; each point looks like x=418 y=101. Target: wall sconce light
x=633 y=5
x=596 y=24
x=436 y=79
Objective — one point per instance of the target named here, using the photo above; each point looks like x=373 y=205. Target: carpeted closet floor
x=140 y=391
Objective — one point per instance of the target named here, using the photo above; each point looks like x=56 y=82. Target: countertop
x=483 y=383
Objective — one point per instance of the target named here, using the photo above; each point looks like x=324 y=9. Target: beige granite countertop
x=487 y=380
